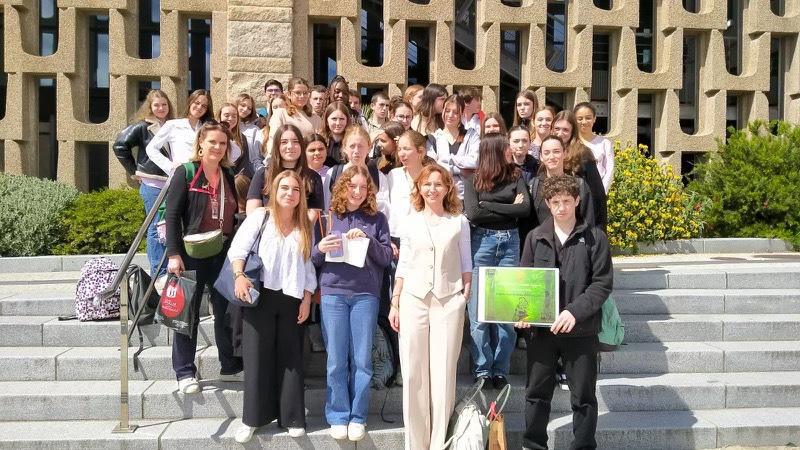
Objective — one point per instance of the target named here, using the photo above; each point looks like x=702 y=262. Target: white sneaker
x=244 y=434
x=189 y=385
x=232 y=377
x=356 y=431
x=297 y=432
x=339 y=431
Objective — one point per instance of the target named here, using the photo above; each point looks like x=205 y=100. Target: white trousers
x=430 y=344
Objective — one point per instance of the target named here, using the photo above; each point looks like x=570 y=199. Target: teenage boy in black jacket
x=582 y=255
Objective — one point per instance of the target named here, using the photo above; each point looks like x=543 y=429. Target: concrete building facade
x=669 y=73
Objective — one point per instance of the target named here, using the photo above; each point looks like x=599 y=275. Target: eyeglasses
x=274 y=90
x=402 y=117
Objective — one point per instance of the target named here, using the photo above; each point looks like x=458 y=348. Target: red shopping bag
x=175 y=308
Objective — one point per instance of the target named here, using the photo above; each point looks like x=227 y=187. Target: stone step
x=707 y=301
x=698 y=357
x=711 y=327
x=88 y=400
x=663 y=315
x=102 y=363
x=60 y=301
x=626 y=277
x=764 y=276
x=658 y=430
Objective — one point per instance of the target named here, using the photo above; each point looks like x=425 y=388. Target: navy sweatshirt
x=342 y=278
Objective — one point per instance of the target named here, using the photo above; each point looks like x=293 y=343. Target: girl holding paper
x=350 y=292
x=433 y=281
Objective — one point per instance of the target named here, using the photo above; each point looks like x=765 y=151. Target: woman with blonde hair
x=272 y=331
x=202 y=198
x=350 y=299
x=155 y=110
x=355 y=149
x=431 y=288
x=297 y=111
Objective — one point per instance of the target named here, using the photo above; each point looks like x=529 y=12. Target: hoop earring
x=200 y=152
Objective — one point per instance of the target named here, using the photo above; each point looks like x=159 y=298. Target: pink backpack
x=97 y=274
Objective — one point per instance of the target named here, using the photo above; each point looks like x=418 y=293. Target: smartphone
x=339 y=252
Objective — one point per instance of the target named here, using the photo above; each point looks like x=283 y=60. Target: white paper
x=355 y=252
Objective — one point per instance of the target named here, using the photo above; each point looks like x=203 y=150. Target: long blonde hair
x=145 y=111
x=300 y=214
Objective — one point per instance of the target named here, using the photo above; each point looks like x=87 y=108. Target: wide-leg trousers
x=431 y=330
x=272 y=351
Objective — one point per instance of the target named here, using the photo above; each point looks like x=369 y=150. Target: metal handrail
x=124 y=425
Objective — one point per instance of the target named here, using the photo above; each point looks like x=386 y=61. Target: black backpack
x=384 y=356
x=138 y=282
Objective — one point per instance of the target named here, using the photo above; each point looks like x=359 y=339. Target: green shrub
x=647 y=202
x=752 y=183
x=101 y=222
x=29 y=212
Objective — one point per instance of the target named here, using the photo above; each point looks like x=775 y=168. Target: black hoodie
x=585 y=272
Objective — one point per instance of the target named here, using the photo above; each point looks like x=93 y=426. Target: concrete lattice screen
x=254 y=40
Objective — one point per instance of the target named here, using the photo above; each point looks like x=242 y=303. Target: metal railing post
x=124 y=425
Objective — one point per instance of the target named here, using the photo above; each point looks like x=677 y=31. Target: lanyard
x=217 y=203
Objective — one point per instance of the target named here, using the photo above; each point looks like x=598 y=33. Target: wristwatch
x=237 y=274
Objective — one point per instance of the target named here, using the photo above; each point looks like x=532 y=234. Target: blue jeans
x=155 y=249
x=492 y=343
x=348 y=325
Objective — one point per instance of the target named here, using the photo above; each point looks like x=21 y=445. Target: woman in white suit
x=432 y=283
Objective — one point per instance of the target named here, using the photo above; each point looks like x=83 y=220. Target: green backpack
x=162 y=209
x=612 y=330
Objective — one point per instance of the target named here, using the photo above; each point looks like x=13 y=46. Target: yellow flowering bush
x=647 y=202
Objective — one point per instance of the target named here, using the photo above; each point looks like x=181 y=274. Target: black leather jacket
x=138 y=135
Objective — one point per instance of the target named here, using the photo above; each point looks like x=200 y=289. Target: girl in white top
x=432 y=283
x=453 y=146
x=272 y=335
x=411 y=154
x=179 y=134
x=601 y=148
x=297 y=111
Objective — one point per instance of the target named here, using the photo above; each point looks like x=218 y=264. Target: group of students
x=434 y=188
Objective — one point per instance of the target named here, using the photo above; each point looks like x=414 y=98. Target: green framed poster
x=518 y=294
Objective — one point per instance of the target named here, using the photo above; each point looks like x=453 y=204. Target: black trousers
x=272 y=350
x=183 y=346
x=579 y=355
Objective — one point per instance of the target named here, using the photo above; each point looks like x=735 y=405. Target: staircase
x=711 y=359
